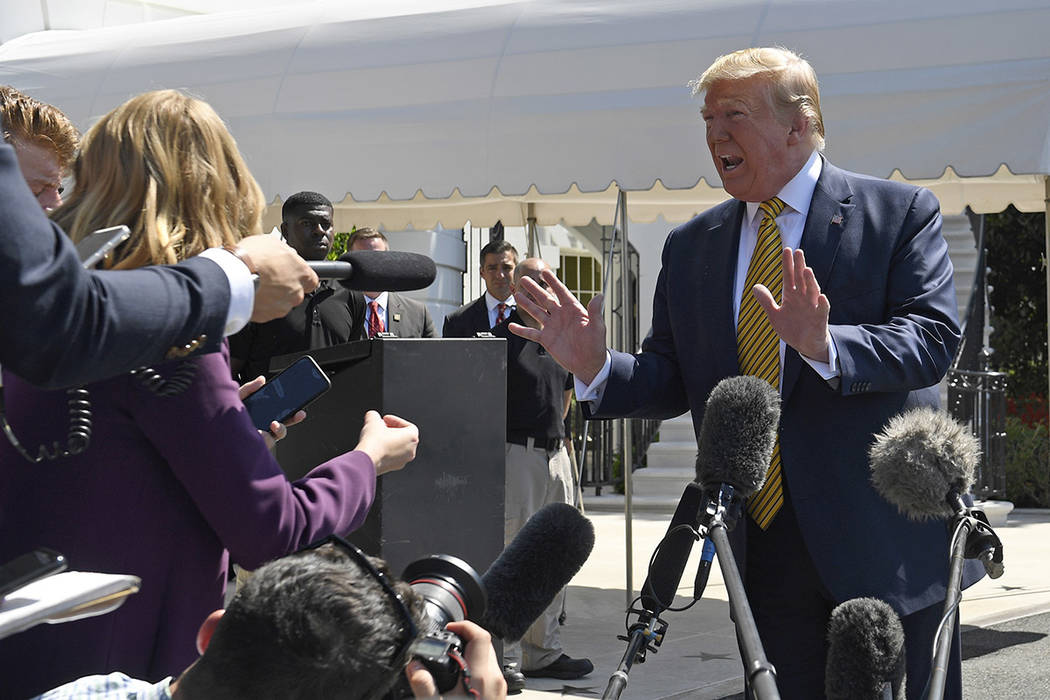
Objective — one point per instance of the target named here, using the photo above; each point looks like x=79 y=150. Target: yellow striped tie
x=758 y=347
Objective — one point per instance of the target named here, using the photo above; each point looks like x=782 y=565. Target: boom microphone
x=388 y=270
x=737 y=435
x=865 y=652
x=922 y=462
x=543 y=557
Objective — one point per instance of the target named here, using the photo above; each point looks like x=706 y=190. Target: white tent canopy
x=427 y=111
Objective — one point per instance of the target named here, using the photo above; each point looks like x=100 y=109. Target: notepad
x=64 y=597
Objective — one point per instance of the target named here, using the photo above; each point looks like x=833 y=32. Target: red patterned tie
x=500 y=308
x=375 y=323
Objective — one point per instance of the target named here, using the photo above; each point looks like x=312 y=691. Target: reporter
x=66 y=326
x=160 y=472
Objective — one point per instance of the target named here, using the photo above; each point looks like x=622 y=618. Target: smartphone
x=97 y=244
x=300 y=383
x=28 y=568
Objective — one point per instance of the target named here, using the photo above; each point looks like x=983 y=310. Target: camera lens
x=450 y=588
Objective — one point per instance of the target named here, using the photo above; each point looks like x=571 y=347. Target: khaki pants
x=535 y=477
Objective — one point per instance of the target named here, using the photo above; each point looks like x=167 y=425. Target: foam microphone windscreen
x=388 y=270
x=737 y=434
x=920 y=457
x=544 y=556
x=865 y=652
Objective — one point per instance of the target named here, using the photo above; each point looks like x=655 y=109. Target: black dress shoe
x=515 y=681
x=564 y=668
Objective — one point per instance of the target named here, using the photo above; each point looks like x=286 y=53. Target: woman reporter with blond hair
x=159 y=473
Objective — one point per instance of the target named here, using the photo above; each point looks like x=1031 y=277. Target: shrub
x=1027 y=463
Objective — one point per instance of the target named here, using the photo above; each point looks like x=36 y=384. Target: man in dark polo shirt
x=538 y=473
x=328 y=316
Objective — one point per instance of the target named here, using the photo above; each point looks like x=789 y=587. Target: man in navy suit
x=865 y=327
x=66 y=326
x=498 y=259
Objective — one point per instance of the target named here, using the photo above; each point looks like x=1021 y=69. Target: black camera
x=451 y=591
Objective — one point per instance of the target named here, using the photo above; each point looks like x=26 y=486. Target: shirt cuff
x=827 y=370
x=242 y=288
x=596 y=389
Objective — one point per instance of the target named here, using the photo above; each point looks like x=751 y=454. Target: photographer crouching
x=324 y=622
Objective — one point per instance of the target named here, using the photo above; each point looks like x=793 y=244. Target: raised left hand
x=801 y=319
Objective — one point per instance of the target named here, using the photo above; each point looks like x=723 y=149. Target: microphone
x=922 y=462
x=665 y=574
x=736 y=443
x=865 y=652
x=540 y=561
x=737 y=435
x=387 y=270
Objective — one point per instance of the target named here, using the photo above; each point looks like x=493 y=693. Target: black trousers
x=792 y=608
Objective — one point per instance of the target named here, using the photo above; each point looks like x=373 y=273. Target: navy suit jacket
x=877 y=251
x=64 y=326
x=467 y=320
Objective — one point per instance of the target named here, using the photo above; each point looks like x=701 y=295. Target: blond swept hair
x=32 y=121
x=163 y=164
x=792 y=82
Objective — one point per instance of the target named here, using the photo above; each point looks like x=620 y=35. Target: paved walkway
x=699 y=659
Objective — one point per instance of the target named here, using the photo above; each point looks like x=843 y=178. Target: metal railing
x=598 y=448
x=978 y=398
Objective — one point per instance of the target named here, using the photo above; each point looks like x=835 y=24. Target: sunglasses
x=409 y=630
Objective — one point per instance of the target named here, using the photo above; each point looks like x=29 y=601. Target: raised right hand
x=390 y=441
x=284 y=277
x=574 y=336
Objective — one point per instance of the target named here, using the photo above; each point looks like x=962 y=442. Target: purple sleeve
x=209 y=442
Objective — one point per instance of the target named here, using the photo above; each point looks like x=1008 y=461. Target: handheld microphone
x=387 y=270
x=737 y=435
x=922 y=462
x=865 y=652
x=543 y=557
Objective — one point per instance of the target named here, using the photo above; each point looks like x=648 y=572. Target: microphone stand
x=760 y=673
x=646 y=635
x=973 y=539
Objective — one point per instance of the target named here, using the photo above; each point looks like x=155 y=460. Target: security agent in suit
x=329 y=315
x=866 y=326
x=498 y=259
x=390 y=312
x=66 y=326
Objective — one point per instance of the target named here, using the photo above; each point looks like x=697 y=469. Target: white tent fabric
x=427 y=111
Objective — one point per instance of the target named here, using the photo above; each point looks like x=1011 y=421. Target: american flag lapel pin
x=837 y=219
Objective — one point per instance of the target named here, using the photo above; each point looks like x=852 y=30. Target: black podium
x=449 y=500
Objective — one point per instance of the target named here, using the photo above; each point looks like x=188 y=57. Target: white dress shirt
x=493 y=305
x=381 y=304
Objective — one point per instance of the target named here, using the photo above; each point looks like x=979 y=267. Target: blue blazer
x=877 y=251
x=65 y=326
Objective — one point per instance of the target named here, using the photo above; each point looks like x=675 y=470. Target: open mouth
x=730 y=163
